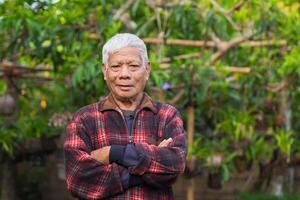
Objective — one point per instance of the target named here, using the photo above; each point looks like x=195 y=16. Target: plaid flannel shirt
x=102 y=124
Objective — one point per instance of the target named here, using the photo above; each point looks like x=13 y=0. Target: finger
x=162 y=143
x=169 y=141
x=165 y=142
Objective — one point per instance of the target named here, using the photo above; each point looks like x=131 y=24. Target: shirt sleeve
x=160 y=166
x=130 y=180
x=86 y=177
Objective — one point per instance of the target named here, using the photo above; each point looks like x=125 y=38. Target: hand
x=102 y=154
x=165 y=142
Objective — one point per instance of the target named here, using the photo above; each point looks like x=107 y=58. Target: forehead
x=128 y=54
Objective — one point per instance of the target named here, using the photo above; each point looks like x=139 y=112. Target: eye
x=115 y=67
x=134 y=67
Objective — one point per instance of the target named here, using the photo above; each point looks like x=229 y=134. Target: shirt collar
x=109 y=104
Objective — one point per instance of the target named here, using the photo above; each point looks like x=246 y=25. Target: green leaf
x=46 y=43
x=225 y=173
x=3 y=87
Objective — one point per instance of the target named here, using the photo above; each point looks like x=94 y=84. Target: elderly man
x=125 y=146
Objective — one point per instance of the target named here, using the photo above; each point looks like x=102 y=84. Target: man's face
x=126 y=75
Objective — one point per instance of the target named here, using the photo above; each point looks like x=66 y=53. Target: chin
x=125 y=97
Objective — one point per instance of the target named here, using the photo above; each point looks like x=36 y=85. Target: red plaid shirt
x=102 y=124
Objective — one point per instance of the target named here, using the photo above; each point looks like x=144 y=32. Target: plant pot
x=192 y=167
x=214 y=180
x=242 y=164
x=8 y=105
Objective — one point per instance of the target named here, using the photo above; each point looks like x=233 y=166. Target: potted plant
x=284 y=141
x=260 y=150
x=217 y=160
x=238 y=130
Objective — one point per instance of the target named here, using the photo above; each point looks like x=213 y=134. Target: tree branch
x=212 y=44
x=122 y=9
x=183 y=56
x=224 y=47
x=226 y=15
x=124 y=16
x=10 y=69
x=236 y=7
x=177 y=98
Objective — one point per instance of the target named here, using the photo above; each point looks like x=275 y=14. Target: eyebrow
x=127 y=62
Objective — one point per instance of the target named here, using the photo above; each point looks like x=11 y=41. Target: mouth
x=125 y=87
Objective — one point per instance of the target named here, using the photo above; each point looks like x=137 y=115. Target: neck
x=128 y=104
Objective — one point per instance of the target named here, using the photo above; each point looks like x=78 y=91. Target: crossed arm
x=102 y=154
x=90 y=174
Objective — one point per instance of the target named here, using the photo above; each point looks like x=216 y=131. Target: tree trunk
x=285 y=109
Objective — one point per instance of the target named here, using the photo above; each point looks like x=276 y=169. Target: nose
x=124 y=73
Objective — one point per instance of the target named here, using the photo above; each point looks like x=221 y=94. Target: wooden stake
x=190 y=124
x=239 y=69
x=190 y=189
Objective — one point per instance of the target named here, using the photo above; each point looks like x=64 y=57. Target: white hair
x=123 y=40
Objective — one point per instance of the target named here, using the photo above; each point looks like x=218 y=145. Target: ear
x=103 y=68
x=148 y=70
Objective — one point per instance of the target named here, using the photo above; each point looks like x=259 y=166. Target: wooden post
x=191 y=162
x=190 y=124
x=190 y=189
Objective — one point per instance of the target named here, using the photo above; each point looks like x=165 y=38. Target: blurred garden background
x=230 y=66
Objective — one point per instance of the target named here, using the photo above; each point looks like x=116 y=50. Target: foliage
x=260 y=150
x=215 y=155
x=284 y=141
x=7 y=137
x=3 y=87
x=238 y=126
x=65 y=37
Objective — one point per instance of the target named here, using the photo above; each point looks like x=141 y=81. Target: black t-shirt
x=129 y=116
